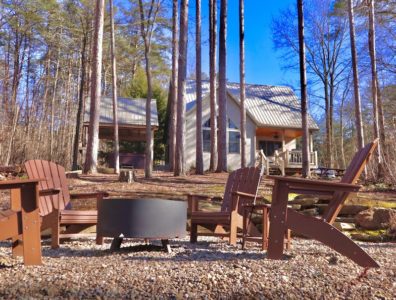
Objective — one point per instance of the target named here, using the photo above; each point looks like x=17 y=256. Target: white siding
x=233 y=112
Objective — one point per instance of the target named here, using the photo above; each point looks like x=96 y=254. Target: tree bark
x=358 y=110
x=181 y=101
x=80 y=111
x=114 y=92
x=213 y=84
x=242 y=80
x=378 y=127
x=222 y=144
x=303 y=83
x=146 y=28
x=173 y=88
x=91 y=159
x=199 y=143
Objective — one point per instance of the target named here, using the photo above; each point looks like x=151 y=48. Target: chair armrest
x=49 y=192
x=302 y=185
x=89 y=195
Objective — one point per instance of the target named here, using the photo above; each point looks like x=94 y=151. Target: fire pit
x=152 y=219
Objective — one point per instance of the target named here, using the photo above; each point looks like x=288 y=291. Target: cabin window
x=234 y=138
x=206 y=136
x=269 y=147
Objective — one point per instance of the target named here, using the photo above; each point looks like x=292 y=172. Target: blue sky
x=262 y=63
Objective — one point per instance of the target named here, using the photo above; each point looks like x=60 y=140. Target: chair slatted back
x=244 y=180
x=351 y=175
x=53 y=176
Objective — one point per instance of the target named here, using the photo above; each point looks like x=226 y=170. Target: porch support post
x=283 y=140
x=310 y=141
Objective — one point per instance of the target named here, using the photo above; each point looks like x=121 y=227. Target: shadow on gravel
x=181 y=251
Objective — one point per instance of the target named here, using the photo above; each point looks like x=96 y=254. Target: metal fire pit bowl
x=141 y=218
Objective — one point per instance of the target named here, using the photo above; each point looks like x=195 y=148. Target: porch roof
x=131 y=112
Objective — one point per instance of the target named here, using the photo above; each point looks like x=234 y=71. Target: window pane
x=206 y=140
x=234 y=142
x=231 y=124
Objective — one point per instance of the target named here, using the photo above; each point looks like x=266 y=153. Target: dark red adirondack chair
x=321 y=229
x=241 y=187
x=56 y=210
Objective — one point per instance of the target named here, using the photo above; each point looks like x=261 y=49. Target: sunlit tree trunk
x=379 y=130
x=358 y=110
x=213 y=83
x=222 y=143
x=181 y=101
x=242 y=80
x=198 y=70
x=173 y=88
x=91 y=158
x=79 y=118
x=303 y=84
x=114 y=92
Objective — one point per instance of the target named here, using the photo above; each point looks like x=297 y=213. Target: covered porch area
x=282 y=150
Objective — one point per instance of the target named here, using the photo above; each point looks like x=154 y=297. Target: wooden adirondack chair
x=22 y=219
x=56 y=210
x=241 y=187
x=321 y=229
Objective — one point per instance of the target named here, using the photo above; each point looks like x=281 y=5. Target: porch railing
x=293 y=158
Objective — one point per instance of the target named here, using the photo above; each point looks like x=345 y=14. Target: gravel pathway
x=209 y=269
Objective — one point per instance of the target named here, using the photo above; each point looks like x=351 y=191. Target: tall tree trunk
x=114 y=92
x=181 y=83
x=91 y=159
x=213 y=84
x=145 y=32
x=303 y=83
x=198 y=70
x=51 y=150
x=358 y=110
x=242 y=80
x=375 y=89
x=173 y=89
x=80 y=112
x=222 y=144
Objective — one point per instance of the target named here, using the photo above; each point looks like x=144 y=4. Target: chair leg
x=99 y=240
x=17 y=246
x=288 y=239
x=233 y=230
x=55 y=236
x=194 y=233
x=265 y=232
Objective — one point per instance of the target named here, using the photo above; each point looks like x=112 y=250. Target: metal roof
x=130 y=111
x=268 y=106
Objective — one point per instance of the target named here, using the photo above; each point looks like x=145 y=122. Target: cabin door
x=269 y=147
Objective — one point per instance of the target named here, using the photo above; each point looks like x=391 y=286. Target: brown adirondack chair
x=56 y=210
x=241 y=187
x=321 y=229
x=22 y=219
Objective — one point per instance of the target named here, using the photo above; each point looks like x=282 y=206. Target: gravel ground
x=209 y=269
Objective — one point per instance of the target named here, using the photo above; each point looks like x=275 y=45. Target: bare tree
x=91 y=159
x=173 y=88
x=358 y=109
x=114 y=92
x=198 y=70
x=222 y=144
x=146 y=30
x=213 y=83
x=242 y=80
x=180 y=168
x=303 y=83
x=379 y=129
